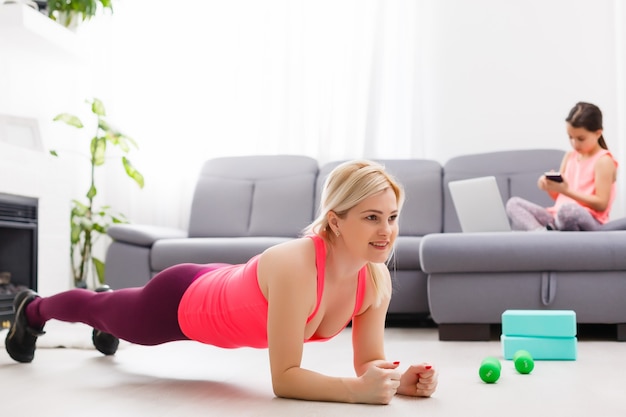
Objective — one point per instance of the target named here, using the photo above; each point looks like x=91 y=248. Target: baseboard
x=409 y=320
x=464 y=332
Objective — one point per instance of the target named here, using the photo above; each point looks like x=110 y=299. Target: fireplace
x=18 y=250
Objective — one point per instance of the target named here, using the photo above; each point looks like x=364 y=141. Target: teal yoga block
x=539 y=323
x=541 y=348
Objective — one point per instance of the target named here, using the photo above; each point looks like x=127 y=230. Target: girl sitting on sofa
x=292 y=293
x=585 y=190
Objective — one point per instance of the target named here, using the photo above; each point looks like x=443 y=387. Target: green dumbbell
x=523 y=361
x=489 y=370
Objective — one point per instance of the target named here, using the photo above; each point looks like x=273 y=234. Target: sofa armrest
x=143 y=235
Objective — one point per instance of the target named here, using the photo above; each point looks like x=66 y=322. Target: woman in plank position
x=290 y=294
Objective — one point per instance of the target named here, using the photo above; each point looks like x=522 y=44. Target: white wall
x=504 y=75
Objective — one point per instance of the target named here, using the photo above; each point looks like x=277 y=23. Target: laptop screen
x=479 y=205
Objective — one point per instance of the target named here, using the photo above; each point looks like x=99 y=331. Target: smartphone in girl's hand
x=554 y=176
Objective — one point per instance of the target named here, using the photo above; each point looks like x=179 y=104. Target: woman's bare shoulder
x=292 y=248
x=289 y=262
x=297 y=253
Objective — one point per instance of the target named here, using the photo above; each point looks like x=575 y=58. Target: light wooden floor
x=190 y=379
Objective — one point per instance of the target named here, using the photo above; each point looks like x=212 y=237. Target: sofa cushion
x=266 y=195
x=523 y=251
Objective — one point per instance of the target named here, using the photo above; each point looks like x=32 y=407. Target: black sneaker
x=21 y=340
x=106 y=343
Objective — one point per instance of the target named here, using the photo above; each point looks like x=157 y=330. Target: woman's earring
x=337 y=233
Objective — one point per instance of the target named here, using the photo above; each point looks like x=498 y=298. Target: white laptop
x=479 y=205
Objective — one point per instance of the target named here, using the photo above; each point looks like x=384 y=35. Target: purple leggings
x=525 y=215
x=147 y=315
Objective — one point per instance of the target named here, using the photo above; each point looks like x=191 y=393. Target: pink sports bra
x=225 y=307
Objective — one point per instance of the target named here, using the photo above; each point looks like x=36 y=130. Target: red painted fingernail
x=396 y=363
x=428 y=366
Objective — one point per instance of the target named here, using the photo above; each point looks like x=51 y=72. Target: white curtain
x=197 y=79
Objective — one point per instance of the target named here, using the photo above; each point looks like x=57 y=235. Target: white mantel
x=40 y=67
x=25 y=27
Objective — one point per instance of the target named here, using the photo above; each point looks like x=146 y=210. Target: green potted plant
x=70 y=13
x=88 y=223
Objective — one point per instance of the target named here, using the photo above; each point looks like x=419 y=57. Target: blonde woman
x=292 y=293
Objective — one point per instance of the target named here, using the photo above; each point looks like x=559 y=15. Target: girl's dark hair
x=589 y=117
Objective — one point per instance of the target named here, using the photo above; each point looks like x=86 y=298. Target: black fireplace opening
x=18 y=250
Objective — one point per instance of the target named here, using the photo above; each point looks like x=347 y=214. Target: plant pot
x=70 y=19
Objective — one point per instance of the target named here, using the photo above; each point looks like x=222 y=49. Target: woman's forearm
x=303 y=384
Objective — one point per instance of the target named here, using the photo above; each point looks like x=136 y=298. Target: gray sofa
x=474 y=277
x=243 y=205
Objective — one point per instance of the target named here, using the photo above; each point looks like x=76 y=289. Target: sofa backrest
x=516 y=172
x=264 y=195
x=421 y=178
